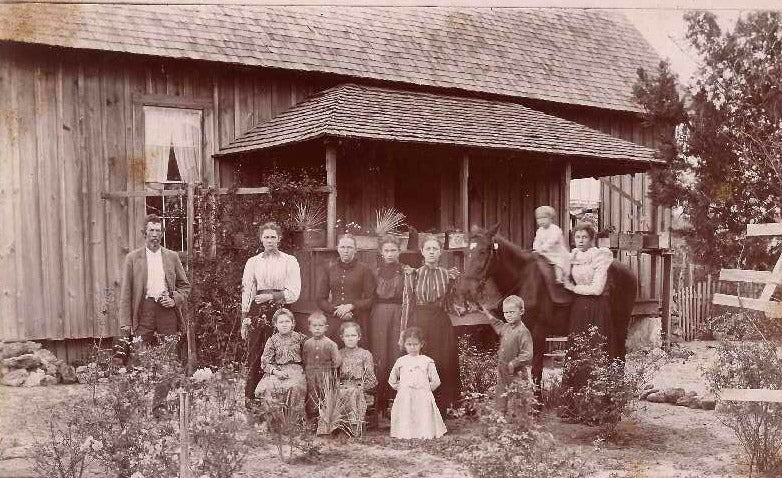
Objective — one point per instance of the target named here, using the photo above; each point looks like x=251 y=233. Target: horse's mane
x=512 y=249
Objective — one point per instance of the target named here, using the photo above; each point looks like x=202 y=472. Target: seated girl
x=283 y=380
x=550 y=243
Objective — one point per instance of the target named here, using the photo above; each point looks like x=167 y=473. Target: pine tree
x=723 y=145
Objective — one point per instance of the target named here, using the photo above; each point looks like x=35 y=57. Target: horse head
x=481 y=254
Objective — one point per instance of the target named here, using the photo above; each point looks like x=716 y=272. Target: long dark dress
x=346 y=283
x=590 y=307
x=384 y=325
x=424 y=306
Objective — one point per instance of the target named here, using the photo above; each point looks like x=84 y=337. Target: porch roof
x=363 y=112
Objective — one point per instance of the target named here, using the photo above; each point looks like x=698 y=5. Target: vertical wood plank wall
x=69 y=131
x=618 y=211
x=67 y=134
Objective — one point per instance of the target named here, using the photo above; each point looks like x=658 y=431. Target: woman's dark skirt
x=585 y=312
x=384 y=345
x=589 y=310
x=440 y=345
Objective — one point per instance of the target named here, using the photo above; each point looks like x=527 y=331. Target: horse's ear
x=492 y=231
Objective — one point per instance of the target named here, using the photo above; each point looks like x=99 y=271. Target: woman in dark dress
x=385 y=317
x=424 y=305
x=346 y=289
x=589 y=273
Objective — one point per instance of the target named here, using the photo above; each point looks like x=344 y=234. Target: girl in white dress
x=414 y=377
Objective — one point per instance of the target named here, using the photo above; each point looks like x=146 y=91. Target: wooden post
x=184 y=438
x=666 y=297
x=189 y=333
x=464 y=200
x=567 y=175
x=331 y=206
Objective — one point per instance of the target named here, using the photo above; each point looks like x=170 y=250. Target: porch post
x=567 y=175
x=331 y=205
x=464 y=202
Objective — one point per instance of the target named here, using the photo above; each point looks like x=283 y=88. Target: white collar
x=155 y=253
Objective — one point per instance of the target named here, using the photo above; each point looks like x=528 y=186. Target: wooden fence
x=694 y=306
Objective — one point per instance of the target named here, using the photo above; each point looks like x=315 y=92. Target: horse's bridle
x=484 y=272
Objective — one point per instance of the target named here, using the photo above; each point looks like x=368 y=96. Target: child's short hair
x=317 y=316
x=349 y=325
x=411 y=333
x=546 y=211
x=514 y=300
x=283 y=311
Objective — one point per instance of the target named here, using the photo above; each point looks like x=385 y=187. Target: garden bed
x=660 y=440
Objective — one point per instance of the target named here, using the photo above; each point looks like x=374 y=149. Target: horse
x=516 y=271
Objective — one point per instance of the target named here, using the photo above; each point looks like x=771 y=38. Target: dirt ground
x=658 y=441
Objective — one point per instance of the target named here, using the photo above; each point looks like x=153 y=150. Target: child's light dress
x=550 y=243
x=415 y=413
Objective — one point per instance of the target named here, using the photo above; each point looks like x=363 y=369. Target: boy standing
x=515 y=351
x=321 y=360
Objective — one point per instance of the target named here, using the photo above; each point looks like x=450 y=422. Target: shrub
x=515 y=445
x=124 y=435
x=740 y=325
x=596 y=390
x=757 y=425
x=226 y=235
x=478 y=372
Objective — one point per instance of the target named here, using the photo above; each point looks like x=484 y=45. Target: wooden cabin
x=454 y=116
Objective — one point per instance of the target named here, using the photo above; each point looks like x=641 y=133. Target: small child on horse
x=550 y=243
x=515 y=352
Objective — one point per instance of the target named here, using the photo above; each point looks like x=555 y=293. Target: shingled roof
x=353 y=111
x=583 y=57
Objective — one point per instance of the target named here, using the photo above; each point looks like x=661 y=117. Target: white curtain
x=177 y=128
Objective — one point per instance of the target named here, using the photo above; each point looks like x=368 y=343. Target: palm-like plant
x=388 y=221
x=309 y=215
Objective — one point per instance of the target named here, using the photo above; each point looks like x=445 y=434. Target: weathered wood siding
x=71 y=128
x=617 y=209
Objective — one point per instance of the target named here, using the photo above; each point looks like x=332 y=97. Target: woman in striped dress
x=424 y=305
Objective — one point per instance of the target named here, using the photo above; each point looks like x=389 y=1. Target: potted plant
x=388 y=221
x=309 y=219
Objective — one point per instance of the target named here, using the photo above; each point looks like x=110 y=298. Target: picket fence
x=694 y=306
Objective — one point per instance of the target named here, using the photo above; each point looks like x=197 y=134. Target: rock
x=686 y=400
x=50 y=368
x=672 y=395
x=648 y=386
x=34 y=378
x=67 y=373
x=695 y=403
x=708 y=403
x=656 y=397
x=645 y=394
x=27 y=361
x=46 y=356
x=14 y=349
x=48 y=380
x=15 y=378
x=644 y=334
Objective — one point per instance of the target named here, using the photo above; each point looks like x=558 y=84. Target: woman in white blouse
x=271 y=280
x=589 y=272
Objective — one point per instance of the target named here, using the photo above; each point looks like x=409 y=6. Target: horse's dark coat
x=515 y=271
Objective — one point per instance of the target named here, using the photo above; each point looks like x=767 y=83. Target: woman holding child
x=426 y=291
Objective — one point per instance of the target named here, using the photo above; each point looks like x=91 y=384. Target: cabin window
x=173 y=148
